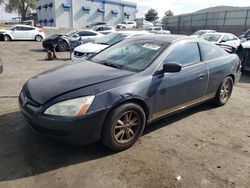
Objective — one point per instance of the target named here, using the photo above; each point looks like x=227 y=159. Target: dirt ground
x=202 y=147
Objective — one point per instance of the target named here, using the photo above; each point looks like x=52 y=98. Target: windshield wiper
x=112 y=65
x=103 y=43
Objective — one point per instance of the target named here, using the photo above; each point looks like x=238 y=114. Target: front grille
x=79 y=54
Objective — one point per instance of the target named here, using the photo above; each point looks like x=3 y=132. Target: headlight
x=71 y=108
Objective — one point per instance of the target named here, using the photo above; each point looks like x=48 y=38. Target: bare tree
x=21 y=6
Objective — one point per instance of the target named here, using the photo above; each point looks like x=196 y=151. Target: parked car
x=23 y=32
x=91 y=48
x=158 y=30
x=63 y=41
x=245 y=36
x=202 y=32
x=147 y=24
x=223 y=38
x=126 y=25
x=104 y=29
x=96 y=24
x=112 y=96
x=246 y=62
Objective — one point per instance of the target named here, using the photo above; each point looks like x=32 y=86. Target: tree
x=21 y=6
x=151 y=15
x=167 y=14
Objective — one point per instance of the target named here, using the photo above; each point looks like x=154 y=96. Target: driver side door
x=178 y=90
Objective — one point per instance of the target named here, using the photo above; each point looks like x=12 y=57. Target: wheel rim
x=6 y=38
x=127 y=127
x=38 y=38
x=63 y=46
x=225 y=91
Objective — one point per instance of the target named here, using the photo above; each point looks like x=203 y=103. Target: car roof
x=23 y=25
x=164 y=38
x=132 y=32
x=220 y=33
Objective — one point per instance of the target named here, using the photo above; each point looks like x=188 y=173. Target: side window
x=100 y=29
x=86 y=33
x=225 y=38
x=208 y=52
x=19 y=28
x=185 y=54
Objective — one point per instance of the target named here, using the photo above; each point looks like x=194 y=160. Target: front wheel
x=63 y=46
x=123 y=127
x=7 y=38
x=224 y=92
x=38 y=38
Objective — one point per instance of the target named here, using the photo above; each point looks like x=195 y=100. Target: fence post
x=245 y=24
x=206 y=20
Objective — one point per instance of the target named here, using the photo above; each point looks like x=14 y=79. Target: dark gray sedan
x=113 y=95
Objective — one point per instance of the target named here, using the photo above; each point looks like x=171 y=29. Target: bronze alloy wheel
x=123 y=126
x=226 y=90
x=127 y=127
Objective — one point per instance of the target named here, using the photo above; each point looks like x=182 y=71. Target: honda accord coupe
x=113 y=95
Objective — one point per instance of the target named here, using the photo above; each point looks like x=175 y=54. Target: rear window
x=209 y=52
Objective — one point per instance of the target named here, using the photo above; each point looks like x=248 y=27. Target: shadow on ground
x=245 y=77
x=25 y=154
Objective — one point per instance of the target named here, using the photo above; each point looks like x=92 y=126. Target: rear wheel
x=224 y=92
x=38 y=38
x=7 y=38
x=123 y=127
x=63 y=46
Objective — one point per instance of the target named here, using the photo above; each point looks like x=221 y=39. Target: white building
x=79 y=13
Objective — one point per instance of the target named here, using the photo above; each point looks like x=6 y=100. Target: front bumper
x=77 y=131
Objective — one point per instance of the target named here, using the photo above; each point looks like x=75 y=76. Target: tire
x=7 y=38
x=123 y=27
x=63 y=46
x=224 y=92
x=123 y=127
x=38 y=38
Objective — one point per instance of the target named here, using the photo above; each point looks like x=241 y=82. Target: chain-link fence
x=233 y=21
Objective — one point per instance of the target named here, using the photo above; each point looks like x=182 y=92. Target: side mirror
x=172 y=67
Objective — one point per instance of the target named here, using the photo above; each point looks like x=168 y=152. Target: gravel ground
x=201 y=147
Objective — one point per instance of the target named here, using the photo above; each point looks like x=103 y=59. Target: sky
x=183 y=6
x=177 y=6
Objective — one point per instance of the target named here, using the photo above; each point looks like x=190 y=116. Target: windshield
x=111 y=38
x=71 y=33
x=211 y=37
x=124 y=22
x=200 y=33
x=132 y=55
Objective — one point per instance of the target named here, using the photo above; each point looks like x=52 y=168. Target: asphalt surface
x=202 y=147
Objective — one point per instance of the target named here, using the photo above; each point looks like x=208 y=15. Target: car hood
x=90 y=48
x=68 y=77
x=120 y=24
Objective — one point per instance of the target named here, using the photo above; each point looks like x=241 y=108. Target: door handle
x=201 y=77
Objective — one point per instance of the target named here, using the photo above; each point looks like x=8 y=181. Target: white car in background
x=104 y=29
x=91 y=48
x=202 y=32
x=157 y=30
x=222 y=38
x=147 y=24
x=23 y=32
x=126 y=25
